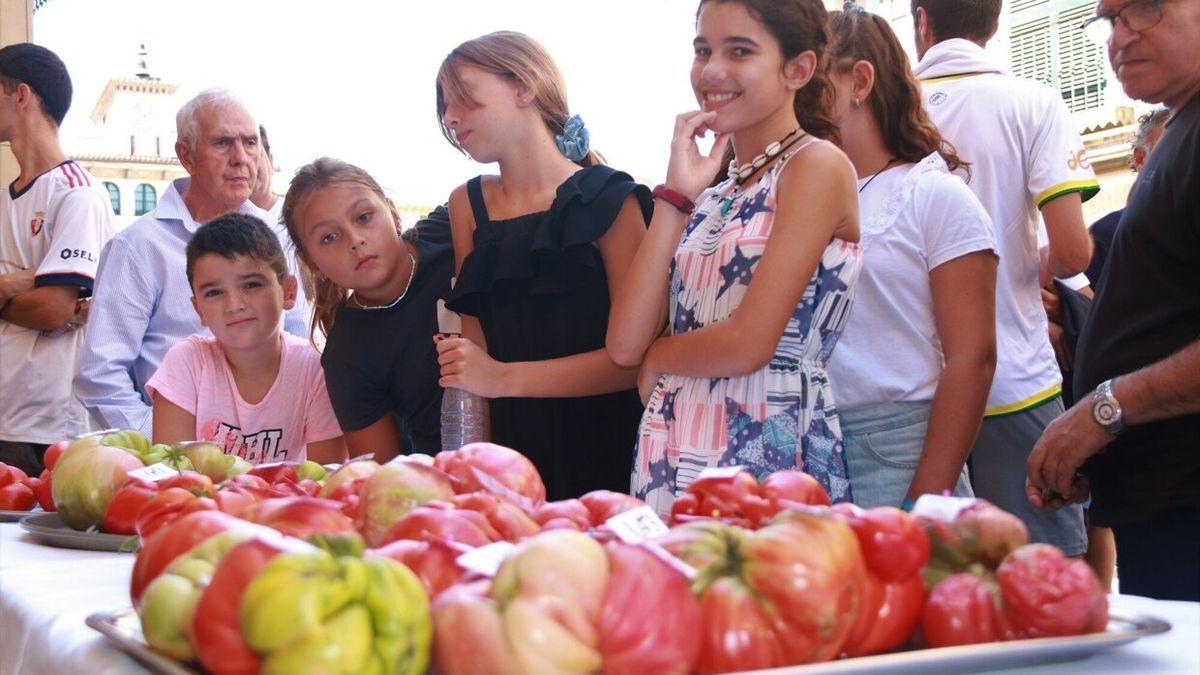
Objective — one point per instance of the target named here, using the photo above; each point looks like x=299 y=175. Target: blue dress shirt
x=141 y=306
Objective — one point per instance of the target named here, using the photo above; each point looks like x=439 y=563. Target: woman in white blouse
x=915 y=361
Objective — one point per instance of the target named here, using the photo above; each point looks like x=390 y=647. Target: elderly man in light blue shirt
x=141 y=305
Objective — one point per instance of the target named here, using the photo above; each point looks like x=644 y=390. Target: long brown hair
x=800 y=26
x=895 y=100
x=519 y=59
x=326 y=296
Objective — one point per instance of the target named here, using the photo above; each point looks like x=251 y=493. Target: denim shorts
x=883 y=446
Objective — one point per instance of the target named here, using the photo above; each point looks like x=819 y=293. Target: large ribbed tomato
x=966 y=531
x=434 y=562
x=563 y=603
x=216 y=632
x=964 y=609
x=442 y=521
x=493 y=468
x=301 y=517
x=739 y=499
x=166 y=507
x=170 y=542
x=786 y=594
x=1047 y=594
x=895 y=549
x=589 y=511
x=649 y=622
x=395 y=489
x=506 y=518
x=121 y=515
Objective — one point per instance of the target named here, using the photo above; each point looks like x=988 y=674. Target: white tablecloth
x=46 y=593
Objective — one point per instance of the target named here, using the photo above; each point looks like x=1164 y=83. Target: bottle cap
x=449 y=322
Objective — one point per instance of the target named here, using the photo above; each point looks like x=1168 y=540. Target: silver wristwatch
x=1106 y=410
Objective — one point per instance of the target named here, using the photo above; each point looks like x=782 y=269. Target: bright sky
x=354 y=79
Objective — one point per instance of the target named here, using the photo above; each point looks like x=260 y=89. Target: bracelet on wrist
x=675 y=198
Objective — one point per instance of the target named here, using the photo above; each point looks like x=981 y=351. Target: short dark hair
x=43 y=72
x=237 y=234
x=974 y=20
x=262 y=136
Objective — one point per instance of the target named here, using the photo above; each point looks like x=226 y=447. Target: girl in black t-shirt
x=541 y=249
x=374 y=295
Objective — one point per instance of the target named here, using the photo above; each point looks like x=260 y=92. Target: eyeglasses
x=1137 y=16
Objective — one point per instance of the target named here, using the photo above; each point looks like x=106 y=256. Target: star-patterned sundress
x=779 y=417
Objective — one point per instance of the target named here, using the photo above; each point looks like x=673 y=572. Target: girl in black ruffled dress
x=540 y=250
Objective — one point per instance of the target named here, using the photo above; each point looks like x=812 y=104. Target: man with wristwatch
x=1133 y=445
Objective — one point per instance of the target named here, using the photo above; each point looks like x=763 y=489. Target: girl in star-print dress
x=761 y=273
x=778 y=417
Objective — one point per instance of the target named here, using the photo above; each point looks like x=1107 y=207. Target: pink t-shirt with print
x=195 y=376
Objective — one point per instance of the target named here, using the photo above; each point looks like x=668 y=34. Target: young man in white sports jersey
x=54 y=219
x=1028 y=165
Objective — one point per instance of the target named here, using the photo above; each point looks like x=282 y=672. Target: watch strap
x=1106 y=410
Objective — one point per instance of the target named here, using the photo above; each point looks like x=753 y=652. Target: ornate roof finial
x=143 y=73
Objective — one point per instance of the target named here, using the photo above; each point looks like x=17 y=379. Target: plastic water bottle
x=462 y=411
x=462 y=418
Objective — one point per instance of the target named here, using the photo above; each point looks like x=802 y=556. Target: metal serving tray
x=1122 y=629
x=14 y=516
x=49 y=529
x=125 y=631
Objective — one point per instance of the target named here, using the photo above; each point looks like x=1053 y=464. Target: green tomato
x=313 y=612
x=168 y=606
x=237 y=466
x=153 y=456
x=310 y=470
x=208 y=459
x=130 y=440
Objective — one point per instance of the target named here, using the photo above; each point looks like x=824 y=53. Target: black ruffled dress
x=537 y=285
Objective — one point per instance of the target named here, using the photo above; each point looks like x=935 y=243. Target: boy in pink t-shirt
x=250 y=388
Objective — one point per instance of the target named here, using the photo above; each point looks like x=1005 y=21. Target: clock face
x=143 y=117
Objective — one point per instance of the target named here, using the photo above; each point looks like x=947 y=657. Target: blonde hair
x=518 y=58
x=309 y=179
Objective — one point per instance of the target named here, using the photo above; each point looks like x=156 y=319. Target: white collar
x=955 y=57
x=172 y=207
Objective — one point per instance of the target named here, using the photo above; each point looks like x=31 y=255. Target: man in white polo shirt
x=1026 y=158
x=54 y=219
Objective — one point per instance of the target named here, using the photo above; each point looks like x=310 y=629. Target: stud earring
x=857 y=103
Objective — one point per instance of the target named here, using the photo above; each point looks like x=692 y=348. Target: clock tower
x=130 y=145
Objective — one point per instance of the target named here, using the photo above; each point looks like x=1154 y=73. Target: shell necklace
x=739 y=174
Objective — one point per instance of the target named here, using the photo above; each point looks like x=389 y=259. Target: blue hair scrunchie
x=573 y=142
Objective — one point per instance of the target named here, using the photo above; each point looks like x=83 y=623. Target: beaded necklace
x=412 y=272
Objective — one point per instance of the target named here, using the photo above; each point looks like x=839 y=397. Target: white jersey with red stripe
x=56 y=226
